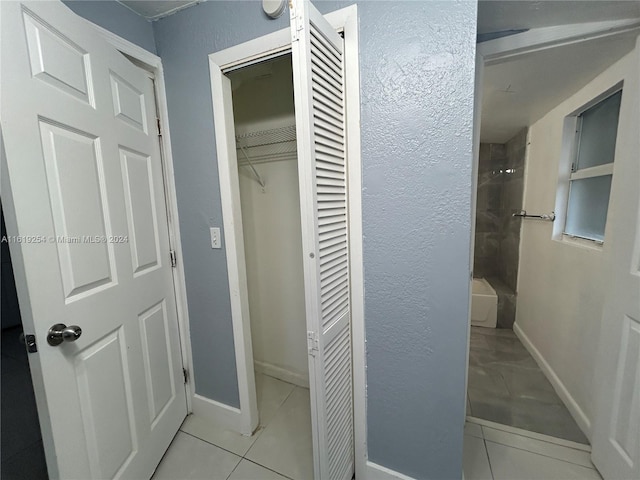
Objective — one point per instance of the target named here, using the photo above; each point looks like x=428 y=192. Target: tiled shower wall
x=500 y=189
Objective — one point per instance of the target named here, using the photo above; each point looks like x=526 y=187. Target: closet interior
x=264 y=119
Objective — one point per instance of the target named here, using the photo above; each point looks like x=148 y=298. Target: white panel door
x=318 y=66
x=84 y=170
x=616 y=431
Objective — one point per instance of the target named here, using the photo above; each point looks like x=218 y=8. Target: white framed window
x=592 y=168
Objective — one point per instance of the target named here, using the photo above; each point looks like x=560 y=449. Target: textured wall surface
x=417 y=74
x=116 y=18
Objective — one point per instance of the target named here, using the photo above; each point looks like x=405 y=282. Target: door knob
x=61 y=333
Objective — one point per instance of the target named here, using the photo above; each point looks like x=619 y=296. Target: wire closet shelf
x=262 y=146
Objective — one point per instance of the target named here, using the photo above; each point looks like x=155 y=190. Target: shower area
x=505 y=384
x=496 y=255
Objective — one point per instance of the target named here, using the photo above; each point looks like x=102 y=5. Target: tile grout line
x=530 y=434
x=244 y=457
x=211 y=443
x=234 y=469
x=260 y=429
x=486 y=451
x=268 y=468
x=257 y=432
x=541 y=454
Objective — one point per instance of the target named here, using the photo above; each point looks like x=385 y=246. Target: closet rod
x=255 y=172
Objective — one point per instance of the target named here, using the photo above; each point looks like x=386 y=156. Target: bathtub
x=484 y=304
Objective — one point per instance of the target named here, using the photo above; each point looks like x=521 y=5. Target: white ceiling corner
x=519 y=92
x=155 y=9
x=500 y=15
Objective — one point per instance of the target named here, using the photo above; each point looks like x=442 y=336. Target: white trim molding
x=234 y=246
x=563 y=392
x=153 y=64
x=347 y=18
x=127 y=47
x=260 y=49
x=378 y=472
x=538 y=39
x=281 y=374
x=222 y=415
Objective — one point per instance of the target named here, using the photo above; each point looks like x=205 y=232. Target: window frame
x=573 y=125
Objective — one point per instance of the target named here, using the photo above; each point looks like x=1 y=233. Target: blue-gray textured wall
x=417 y=81
x=116 y=18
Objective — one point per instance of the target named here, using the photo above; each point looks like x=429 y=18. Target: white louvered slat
x=326 y=260
x=319 y=87
x=322 y=108
x=323 y=79
x=325 y=142
x=334 y=301
x=327 y=97
x=340 y=422
x=332 y=294
x=326 y=122
x=335 y=259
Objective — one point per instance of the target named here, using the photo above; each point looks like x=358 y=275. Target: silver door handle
x=61 y=333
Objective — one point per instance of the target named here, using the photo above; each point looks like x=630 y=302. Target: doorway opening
x=326 y=99
x=265 y=135
x=22 y=449
x=536 y=297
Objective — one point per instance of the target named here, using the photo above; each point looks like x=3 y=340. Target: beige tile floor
x=281 y=448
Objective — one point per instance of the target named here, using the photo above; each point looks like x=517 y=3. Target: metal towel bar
x=548 y=217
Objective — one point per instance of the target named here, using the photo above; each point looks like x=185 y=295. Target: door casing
x=245 y=419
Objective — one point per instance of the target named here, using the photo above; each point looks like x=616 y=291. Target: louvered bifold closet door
x=318 y=66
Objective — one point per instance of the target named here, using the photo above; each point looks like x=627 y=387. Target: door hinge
x=172 y=256
x=159 y=127
x=297 y=24
x=312 y=343
x=185 y=374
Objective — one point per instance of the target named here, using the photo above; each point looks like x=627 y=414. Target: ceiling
x=498 y=15
x=519 y=92
x=155 y=9
x=493 y=15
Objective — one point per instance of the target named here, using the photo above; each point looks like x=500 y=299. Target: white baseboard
x=574 y=409
x=281 y=374
x=218 y=413
x=378 y=472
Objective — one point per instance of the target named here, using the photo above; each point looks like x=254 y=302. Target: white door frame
x=254 y=51
x=505 y=49
x=153 y=64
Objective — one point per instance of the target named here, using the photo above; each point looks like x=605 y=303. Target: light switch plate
x=215 y=237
